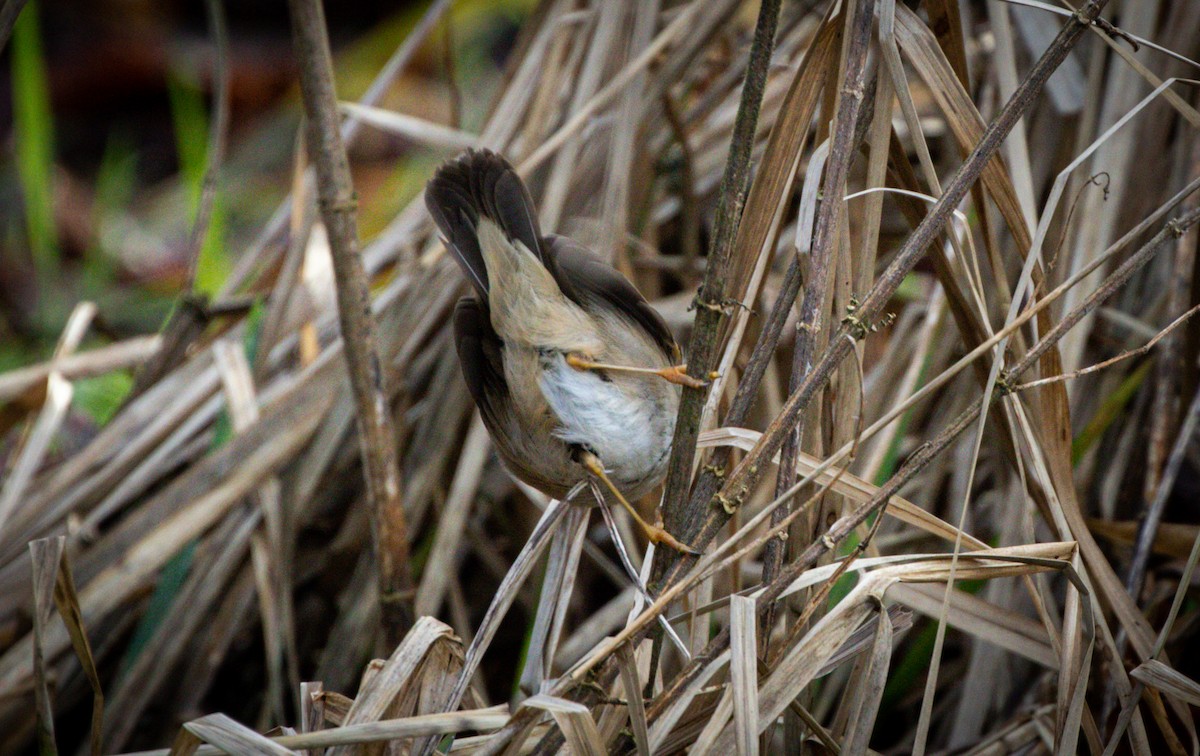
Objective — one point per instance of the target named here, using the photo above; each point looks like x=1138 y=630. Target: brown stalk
x=377 y=438
x=845 y=141
x=764 y=349
x=710 y=300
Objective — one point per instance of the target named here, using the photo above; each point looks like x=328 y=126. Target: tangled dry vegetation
x=886 y=565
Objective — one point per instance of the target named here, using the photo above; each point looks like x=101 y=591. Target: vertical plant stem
x=377 y=438
x=710 y=300
x=834 y=188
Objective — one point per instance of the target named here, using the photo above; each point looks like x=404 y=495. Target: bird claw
x=658 y=534
x=677 y=374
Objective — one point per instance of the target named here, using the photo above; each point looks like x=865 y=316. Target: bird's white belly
x=626 y=430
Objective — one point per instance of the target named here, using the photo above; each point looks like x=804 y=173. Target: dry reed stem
x=377 y=437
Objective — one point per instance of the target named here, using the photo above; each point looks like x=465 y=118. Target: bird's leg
x=656 y=533
x=675 y=374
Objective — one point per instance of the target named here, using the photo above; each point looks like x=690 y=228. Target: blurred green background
x=106 y=108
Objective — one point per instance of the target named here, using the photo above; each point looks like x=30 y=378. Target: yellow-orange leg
x=655 y=533
x=676 y=374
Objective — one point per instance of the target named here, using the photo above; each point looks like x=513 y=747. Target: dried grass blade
x=982 y=620
x=233 y=737
x=377 y=732
x=452 y=521
x=743 y=672
x=186 y=744
x=396 y=676
x=312 y=711
x=575 y=721
x=546 y=527
x=67 y=601
x=122 y=354
x=870 y=691
x=1155 y=674
x=410 y=127
x=33 y=450
x=559 y=582
x=666 y=722
x=633 y=694
x=45 y=556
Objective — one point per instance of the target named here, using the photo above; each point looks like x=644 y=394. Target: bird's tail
x=480 y=184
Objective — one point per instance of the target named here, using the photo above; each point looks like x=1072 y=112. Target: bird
x=577 y=378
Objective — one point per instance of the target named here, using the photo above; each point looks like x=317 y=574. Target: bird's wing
x=586 y=279
x=527 y=451
x=480 y=184
x=480 y=352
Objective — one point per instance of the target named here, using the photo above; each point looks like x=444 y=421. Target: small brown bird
x=563 y=356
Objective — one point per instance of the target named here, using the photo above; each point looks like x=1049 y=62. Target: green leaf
x=191 y=145
x=33 y=130
x=1109 y=411
x=101 y=396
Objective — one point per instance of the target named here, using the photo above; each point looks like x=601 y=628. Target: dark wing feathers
x=582 y=277
x=480 y=352
x=478 y=184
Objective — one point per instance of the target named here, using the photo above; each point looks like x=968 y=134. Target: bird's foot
x=677 y=374
x=658 y=534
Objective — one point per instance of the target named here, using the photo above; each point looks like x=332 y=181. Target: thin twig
x=1143 y=349
x=710 y=301
x=377 y=438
